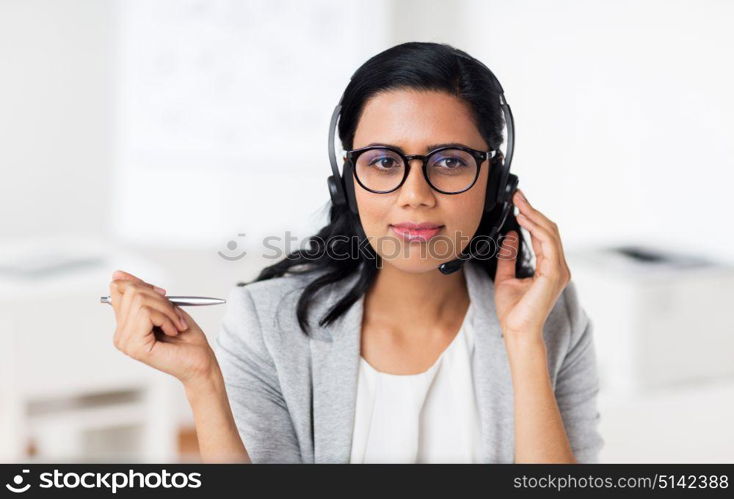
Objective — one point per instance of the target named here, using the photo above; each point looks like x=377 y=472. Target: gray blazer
x=293 y=397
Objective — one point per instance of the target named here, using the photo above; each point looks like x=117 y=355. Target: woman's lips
x=416 y=234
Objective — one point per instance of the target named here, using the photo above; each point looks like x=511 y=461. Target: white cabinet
x=64 y=388
x=660 y=319
x=664 y=336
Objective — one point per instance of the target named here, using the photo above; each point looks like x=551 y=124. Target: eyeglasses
x=448 y=170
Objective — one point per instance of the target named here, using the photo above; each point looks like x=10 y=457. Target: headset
x=501 y=184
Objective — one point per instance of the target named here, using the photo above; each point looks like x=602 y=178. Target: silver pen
x=182 y=300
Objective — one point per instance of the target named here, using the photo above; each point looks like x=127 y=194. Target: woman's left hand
x=524 y=304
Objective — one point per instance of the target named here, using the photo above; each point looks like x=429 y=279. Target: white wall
x=55 y=117
x=223 y=113
x=624 y=114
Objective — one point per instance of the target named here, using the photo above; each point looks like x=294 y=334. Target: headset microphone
x=500 y=187
x=454 y=265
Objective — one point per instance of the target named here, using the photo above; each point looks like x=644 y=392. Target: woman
x=358 y=349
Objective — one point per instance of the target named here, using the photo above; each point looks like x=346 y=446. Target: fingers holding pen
x=147 y=314
x=122 y=275
x=154 y=330
x=132 y=296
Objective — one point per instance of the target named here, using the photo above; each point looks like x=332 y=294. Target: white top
x=429 y=417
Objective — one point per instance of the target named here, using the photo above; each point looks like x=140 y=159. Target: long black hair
x=414 y=65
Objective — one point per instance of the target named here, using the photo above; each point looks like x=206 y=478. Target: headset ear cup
x=348 y=182
x=495 y=175
x=336 y=193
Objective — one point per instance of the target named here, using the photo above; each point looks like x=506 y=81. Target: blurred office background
x=166 y=138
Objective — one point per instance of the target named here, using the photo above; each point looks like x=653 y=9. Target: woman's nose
x=416 y=190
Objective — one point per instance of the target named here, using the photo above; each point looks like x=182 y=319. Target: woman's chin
x=412 y=265
x=414 y=257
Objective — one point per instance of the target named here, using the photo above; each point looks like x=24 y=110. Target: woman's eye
x=450 y=163
x=383 y=162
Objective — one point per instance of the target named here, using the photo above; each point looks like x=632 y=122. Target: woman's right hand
x=158 y=333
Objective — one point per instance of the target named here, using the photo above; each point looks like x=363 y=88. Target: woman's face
x=413 y=120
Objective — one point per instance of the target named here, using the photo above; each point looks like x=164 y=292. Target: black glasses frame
x=479 y=156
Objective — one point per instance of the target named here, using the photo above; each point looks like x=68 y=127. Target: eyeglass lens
x=448 y=170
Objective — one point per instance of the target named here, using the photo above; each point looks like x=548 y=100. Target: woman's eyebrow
x=429 y=148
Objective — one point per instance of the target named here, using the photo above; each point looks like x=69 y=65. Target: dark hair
x=413 y=65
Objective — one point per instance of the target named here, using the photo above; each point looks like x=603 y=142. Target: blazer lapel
x=491 y=370
x=335 y=368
